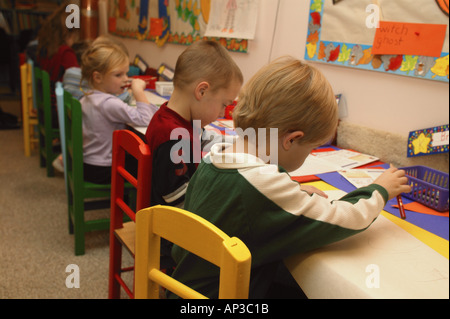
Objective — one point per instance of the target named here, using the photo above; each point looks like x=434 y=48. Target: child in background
x=55 y=40
x=72 y=82
x=257 y=201
x=105 y=66
x=206 y=81
x=54 y=51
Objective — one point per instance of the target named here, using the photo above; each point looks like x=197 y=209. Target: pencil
x=400 y=207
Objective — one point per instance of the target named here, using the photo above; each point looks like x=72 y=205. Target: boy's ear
x=290 y=138
x=97 y=77
x=201 y=89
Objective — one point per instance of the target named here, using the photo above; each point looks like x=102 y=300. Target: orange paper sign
x=409 y=38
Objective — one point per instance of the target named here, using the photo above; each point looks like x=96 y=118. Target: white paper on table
x=347 y=159
x=152 y=98
x=361 y=177
x=315 y=165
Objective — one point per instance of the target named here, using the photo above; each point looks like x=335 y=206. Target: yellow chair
x=199 y=237
x=29 y=120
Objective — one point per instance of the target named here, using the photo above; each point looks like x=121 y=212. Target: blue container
x=429 y=187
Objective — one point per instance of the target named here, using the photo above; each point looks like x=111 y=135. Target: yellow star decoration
x=420 y=144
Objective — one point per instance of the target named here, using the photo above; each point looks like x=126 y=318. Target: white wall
x=386 y=102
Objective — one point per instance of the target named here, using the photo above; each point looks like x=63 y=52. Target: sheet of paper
x=346 y=159
x=361 y=177
x=233 y=19
x=153 y=98
x=409 y=38
x=315 y=165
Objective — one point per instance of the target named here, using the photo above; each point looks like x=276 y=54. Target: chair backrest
x=27 y=88
x=73 y=128
x=59 y=92
x=126 y=145
x=43 y=99
x=197 y=236
x=126 y=142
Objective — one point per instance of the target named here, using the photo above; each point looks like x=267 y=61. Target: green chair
x=82 y=196
x=47 y=133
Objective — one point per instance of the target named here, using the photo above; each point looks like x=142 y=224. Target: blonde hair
x=102 y=56
x=289 y=95
x=206 y=61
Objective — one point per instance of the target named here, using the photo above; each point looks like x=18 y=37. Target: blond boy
x=273 y=215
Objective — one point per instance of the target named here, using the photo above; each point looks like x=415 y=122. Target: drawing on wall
x=233 y=19
x=168 y=21
x=339 y=33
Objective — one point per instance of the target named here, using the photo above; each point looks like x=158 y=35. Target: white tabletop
x=384 y=261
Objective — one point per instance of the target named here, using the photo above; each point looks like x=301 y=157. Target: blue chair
x=59 y=92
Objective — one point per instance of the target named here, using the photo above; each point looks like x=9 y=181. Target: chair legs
x=115 y=264
x=76 y=223
x=46 y=158
x=78 y=226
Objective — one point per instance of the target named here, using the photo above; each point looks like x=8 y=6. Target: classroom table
x=393 y=258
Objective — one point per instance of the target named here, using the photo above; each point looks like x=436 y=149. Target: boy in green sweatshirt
x=247 y=192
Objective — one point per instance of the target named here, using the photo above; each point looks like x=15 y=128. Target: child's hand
x=394 y=181
x=138 y=85
x=311 y=190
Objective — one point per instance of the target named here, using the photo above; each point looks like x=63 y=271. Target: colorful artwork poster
x=166 y=21
x=428 y=141
x=355 y=47
x=233 y=19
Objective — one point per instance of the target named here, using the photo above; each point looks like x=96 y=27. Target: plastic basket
x=429 y=187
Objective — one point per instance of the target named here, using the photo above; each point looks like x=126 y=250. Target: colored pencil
x=400 y=207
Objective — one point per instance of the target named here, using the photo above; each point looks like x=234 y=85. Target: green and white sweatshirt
x=261 y=205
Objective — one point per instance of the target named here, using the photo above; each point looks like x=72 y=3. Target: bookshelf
x=25 y=15
x=19 y=20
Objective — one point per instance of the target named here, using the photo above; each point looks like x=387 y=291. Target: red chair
x=126 y=142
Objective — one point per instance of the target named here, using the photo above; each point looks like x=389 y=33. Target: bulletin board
x=166 y=21
x=338 y=34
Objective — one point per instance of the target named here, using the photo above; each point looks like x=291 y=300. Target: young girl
x=105 y=65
